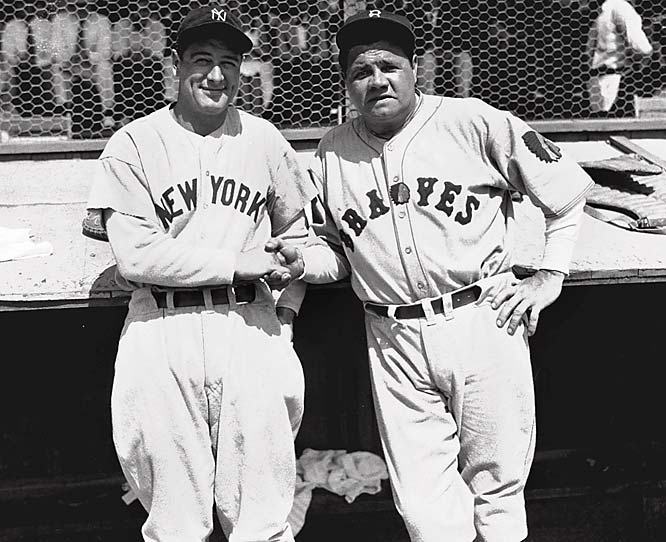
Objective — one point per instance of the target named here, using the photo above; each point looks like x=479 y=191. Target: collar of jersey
x=423 y=110
x=230 y=126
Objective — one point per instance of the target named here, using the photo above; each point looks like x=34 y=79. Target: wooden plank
x=610 y=126
x=628 y=146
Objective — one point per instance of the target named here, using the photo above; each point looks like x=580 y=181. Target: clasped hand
x=277 y=262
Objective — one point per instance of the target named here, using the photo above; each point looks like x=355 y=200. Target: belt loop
x=390 y=311
x=207 y=298
x=428 y=311
x=447 y=305
x=231 y=296
x=169 y=300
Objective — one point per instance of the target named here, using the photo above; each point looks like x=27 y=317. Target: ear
x=415 y=65
x=176 y=61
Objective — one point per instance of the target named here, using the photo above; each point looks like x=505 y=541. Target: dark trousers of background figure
x=86 y=109
x=31 y=89
x=138 y=86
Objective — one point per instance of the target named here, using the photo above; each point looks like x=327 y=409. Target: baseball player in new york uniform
x=417 y=208
x=207 y=393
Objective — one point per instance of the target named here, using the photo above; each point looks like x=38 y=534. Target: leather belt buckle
x=459 y=298
x=465 y=296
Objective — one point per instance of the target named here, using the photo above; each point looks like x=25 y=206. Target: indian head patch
x=544 y=149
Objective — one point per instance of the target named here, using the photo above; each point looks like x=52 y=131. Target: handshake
x=277 y=262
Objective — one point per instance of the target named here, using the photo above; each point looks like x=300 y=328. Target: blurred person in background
x=138 y=68
x=27 y=79
x=15 y=58
x=256 y=82
x=85 y=67
x=647 y=76
x=97 y=41
x=615 y=40
x=65 y=28
x=302 y=86
x=40 y=39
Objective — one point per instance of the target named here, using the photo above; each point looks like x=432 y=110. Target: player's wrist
x=285 y=315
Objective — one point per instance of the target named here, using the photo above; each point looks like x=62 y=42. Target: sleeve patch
x=544 y=149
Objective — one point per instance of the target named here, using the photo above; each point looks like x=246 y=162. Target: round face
x=209 y=73
x=381 y=80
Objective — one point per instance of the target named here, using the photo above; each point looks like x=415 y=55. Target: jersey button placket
x=205 y=179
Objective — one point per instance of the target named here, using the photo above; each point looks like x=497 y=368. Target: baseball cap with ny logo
x=213 y=21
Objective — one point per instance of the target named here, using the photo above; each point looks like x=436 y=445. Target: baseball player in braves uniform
x=417 y=208
x=207 y=393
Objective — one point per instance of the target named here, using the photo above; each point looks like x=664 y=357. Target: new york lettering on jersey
x=189 y=175
x=224 y=191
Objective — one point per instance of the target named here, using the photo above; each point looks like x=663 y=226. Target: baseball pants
x=205 y=404
x=455 y=406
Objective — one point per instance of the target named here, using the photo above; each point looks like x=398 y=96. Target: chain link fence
x=82 y=68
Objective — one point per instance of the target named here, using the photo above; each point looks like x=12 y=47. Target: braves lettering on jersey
x=430 y=210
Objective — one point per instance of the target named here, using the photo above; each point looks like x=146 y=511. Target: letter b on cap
x=374 y=13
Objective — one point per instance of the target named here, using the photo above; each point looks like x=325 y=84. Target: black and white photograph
x=332 y=270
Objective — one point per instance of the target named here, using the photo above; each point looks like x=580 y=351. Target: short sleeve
x=119 y=182
x=292 y=190
x=534 y=165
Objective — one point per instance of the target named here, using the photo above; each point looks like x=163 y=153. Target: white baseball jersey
x=430 y=210
x=217 y=195
x=197 y=393
x=616 y=32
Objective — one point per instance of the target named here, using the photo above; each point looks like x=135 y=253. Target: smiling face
x=209 y=73
x=381 y=79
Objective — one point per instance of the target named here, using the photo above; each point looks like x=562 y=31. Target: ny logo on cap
x=218 y=15
x=374 y=13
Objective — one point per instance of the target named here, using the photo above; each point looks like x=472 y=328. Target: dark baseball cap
x=373 y=25
x=213 y=21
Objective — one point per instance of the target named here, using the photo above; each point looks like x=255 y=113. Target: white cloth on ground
x=346 y=474
x=342 y=473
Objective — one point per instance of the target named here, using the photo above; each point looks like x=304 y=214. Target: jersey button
x=402 y=213
x=396 y=179
x=408 y=250
x=390 y=146
x=207 y=173
x=421 y=286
